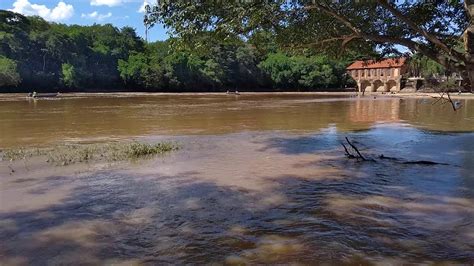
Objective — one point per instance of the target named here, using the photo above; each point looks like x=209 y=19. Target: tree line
x=36 y=55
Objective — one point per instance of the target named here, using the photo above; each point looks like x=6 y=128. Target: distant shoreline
x=341 y=93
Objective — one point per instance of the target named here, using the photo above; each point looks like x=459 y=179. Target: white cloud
x=60 y=12
x=96 y=16
x=145 y=2
x=107 y=2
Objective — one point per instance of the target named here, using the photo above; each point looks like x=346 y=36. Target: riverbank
x=348 y=94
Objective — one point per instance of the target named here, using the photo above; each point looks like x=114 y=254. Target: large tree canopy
x=247 y=46
x=432 y=28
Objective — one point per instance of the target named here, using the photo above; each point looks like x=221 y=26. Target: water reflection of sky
x=403 y=142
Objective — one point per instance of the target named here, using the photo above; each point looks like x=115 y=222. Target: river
x=259 y=179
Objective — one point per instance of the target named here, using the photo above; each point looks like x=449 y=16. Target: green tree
x=52 y=56
x=422 y=66
x=183 y=71
x=281 y=69
x=145 y=70
x=69 y=76
x=429 y=28
x=133 y=69
x=8 y=73
x=303 y=72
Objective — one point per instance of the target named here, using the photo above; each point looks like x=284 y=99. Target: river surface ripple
x=281 y=192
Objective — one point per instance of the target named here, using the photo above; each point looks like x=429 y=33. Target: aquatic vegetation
x=20 y=153
x=77 y=153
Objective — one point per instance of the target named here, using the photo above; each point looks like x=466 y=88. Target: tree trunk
x=469 y=46
x=470 y=77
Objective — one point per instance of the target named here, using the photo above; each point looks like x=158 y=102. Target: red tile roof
x=384 y=63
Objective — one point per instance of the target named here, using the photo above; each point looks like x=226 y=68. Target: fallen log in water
x=423 y=162
x=356 y=154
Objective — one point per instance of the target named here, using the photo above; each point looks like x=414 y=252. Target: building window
x=355 y=73
x=388 y=72
x=381 y=72
x=368 y=73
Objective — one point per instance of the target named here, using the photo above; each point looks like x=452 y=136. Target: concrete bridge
x=381 y=76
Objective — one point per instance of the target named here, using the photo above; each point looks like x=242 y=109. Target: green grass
x=21 y=153
x=77 y=153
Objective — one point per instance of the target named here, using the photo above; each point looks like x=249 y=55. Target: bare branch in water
x=348 y=154
x=357 y=150
x=358 y=155
x=455 y=104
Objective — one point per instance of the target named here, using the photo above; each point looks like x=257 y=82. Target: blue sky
x=86 y=12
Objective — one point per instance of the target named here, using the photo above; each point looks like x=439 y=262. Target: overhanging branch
x=345 y=39
x=415 y=46
x=432 y=38
x=434 y=55
x=336 y=15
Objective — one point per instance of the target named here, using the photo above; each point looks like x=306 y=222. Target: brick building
x=381 y=76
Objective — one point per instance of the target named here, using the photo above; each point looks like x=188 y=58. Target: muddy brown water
x=259 y=179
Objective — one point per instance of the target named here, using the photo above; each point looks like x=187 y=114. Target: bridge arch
x=392 y=85
x=365 y=86
x=378 y=86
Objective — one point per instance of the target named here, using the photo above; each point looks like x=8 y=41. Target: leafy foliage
x=51 y=56
x=54 y=57
x=247 y=45
x=430 y=28
x=8 y=74
x=303 y=72
x=69 y=75
x=422 y=66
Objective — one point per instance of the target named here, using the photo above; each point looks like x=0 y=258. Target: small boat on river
x=43 y=95
x=235 y=93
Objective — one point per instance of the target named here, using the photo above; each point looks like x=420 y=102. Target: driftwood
x=357 y=150
x=422 y=162
x=356 y=154
x=454 y=104
x=348 y=154
x=352 y=155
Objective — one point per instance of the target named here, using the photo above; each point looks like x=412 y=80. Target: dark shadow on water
x=362 y=213
x=24 y=180
x=112 y=199
x=180 y=219
x=407 y=144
